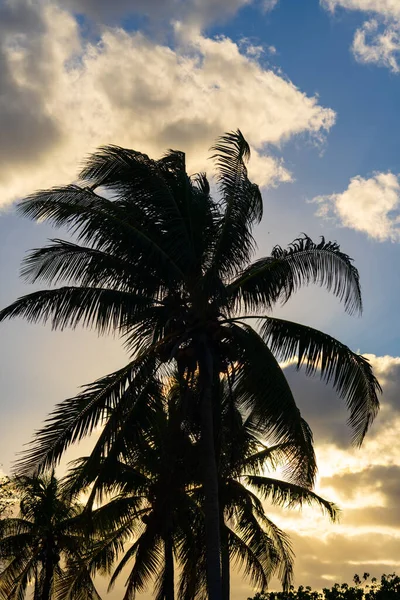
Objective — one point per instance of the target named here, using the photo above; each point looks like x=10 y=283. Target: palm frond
x=77 y=417
x=275 y=278
x=105 y=225
x=243 y=557
x=64 y=261
x=289 y=495
x=271 y=457
x=147 y=554
x=262 y=390
x=72 y=587
x=104 y=309
x=156 y=187
x=241 y=205
x=350 y=374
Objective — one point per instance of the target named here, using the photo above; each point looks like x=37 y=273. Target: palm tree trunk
x=48 y=579
x=226 y=581
x=169 y=584
x=210 y=477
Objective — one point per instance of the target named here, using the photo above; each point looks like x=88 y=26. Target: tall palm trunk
x=225 y=568
x=48 y=577
x=169 y=584
x=210 y=477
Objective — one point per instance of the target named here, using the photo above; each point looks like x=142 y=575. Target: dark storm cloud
x=27 y=130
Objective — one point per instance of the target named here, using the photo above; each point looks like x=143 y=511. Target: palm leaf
x=241 y=204
x=289 y=495
x=262 y=390
x=77 y=417
x=102 y=223
x=104 y=309
x=277 y=277
x=153 y=186
x=63 y=261
x=350 y=374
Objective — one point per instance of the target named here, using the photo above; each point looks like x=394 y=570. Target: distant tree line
x=387 y=589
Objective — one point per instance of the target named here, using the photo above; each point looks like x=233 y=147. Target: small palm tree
x=34 y=544
x=161 y=262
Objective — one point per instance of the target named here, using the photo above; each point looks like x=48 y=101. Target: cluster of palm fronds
x=143 y=511
x=202 y=407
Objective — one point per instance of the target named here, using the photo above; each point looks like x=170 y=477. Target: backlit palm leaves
x=154 y=519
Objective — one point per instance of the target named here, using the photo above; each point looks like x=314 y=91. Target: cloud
x=367 y=205
x=381 y=47
x=323 y=561
x=269 y=4
x=364 y=482
x=129 y=90
x=377 y=41
x=380 y=484
x=385 y=8
x=27 y=128
x=327 y=414
x=198 y=13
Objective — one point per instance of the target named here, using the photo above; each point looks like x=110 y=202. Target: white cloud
x=377 y=41
x=368 y=205
x=269 y=4
x=131 y=91
x=382 y=47
x=385 y=8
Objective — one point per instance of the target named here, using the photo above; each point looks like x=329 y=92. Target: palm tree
x=248 y=536
x=148 y=479
x=33 y=544
x=165 y=265
x=151 y=472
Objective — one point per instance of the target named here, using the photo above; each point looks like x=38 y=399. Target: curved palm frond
x=277 y=277
x=134 y=178
x=269 y=543
x=147 y=552
x=72 y=587
x=64 y=261
x=241 y=205
x=262 y=388
x=289 y=495
x=104 y=309
x=243 y=557
x=270 y=458
x=16 y=576
x=77 y=417
x=103 y=223
x=350 y=374
x=123 y=435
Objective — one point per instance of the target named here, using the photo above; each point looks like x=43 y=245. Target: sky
x=315 y=88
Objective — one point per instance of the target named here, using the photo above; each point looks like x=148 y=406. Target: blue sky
x=315 y=88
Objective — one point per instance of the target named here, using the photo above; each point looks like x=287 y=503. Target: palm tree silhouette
x=165 y=265
x=152 y=476
x=34 y=544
